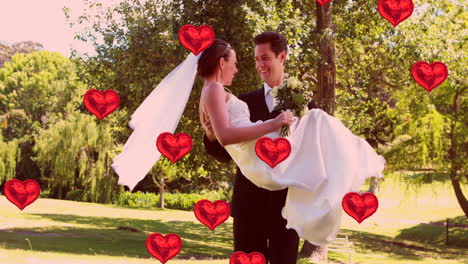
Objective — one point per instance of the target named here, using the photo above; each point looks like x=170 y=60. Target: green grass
x=57 y=231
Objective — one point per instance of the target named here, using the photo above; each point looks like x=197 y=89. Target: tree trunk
x=326 y=65
x=161 y=192
x=326 y=90
x=314 y=252
x=374 y=181
x=458 y=192
x=374 y=185
x=454 y=163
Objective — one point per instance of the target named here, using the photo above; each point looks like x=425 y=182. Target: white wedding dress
x=326 y=162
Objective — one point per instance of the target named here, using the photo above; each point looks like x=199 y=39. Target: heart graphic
x=395 y=11
x=360 y=206
x=174 y=147
x=163 y=247
x=323 y=2
x=21 y=193
x=272 y=151
x=212 y=214
x=196 y=39
x=240 y=257
x=100 y=103
x=428 y=75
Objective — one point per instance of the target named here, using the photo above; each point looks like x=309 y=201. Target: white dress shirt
x=270 y=100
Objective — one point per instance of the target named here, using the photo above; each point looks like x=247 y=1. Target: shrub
x=181 y=201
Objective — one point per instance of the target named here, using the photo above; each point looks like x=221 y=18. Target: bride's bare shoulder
x=212 y=87
x=214 y=90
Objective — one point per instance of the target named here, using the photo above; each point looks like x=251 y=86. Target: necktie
x=271 y=101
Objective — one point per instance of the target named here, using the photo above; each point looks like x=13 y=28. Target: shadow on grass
x=107 y=237
x=435 y=233
x=400 y=247
x=369 y=242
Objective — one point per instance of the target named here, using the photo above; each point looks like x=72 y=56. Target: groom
x=258 y=224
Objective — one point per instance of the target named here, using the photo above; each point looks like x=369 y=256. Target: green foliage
x=141 y=48
x=75 y=154
x=436 y=121
x=295 y=21
x=368 y=71
x=9 y=155
x=34 y=91
x=38 y=85
x=181 y=201
x=427 y=137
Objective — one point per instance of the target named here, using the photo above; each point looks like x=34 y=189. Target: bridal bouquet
x=294 y=95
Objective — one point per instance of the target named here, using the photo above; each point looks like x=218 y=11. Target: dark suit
x=258 y=224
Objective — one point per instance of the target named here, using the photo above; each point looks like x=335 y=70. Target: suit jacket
x=248 y=199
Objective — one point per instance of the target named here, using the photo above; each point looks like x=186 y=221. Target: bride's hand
x=283 y=119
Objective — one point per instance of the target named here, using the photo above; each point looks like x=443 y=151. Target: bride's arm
x=218 y=115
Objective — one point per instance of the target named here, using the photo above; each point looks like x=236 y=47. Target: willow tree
x=75 y=155
x=9 y=155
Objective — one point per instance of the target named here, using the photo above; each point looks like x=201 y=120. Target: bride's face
x=228 y=68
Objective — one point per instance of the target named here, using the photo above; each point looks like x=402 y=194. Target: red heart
x=163 y=247
x=196 y=39
x=100 y=103
x=240 y=257
x=174 y=147
x=323 y=2
x=212 y=214
x=428 y=75
x=272 y=151
x=21 y=193
x=395 y=11
x=360 y=206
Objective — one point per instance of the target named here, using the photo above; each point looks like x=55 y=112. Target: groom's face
x=269 y=66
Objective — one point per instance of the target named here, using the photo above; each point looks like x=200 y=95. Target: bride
x=326 y=161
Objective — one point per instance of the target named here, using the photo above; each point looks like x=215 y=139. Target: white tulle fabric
x=325 y=163
x=160 y=112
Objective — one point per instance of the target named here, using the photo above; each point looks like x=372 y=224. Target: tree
x=326 y=72
x=34 y=89
x=9 y=155
x=40 y=84
x=436 y=122
x=75 y=154
x=142 y=48
x=6 y=52
x=145 y=37
x=371 y=64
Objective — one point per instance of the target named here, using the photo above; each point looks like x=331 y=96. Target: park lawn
x=57 y=231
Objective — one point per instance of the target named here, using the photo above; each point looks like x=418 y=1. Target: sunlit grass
x=57 y=231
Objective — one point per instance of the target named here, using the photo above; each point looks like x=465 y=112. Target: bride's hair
x=209 y=60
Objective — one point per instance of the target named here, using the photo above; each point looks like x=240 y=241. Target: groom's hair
x=277 y=42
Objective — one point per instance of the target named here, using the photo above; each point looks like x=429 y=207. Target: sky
x=43 y=22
